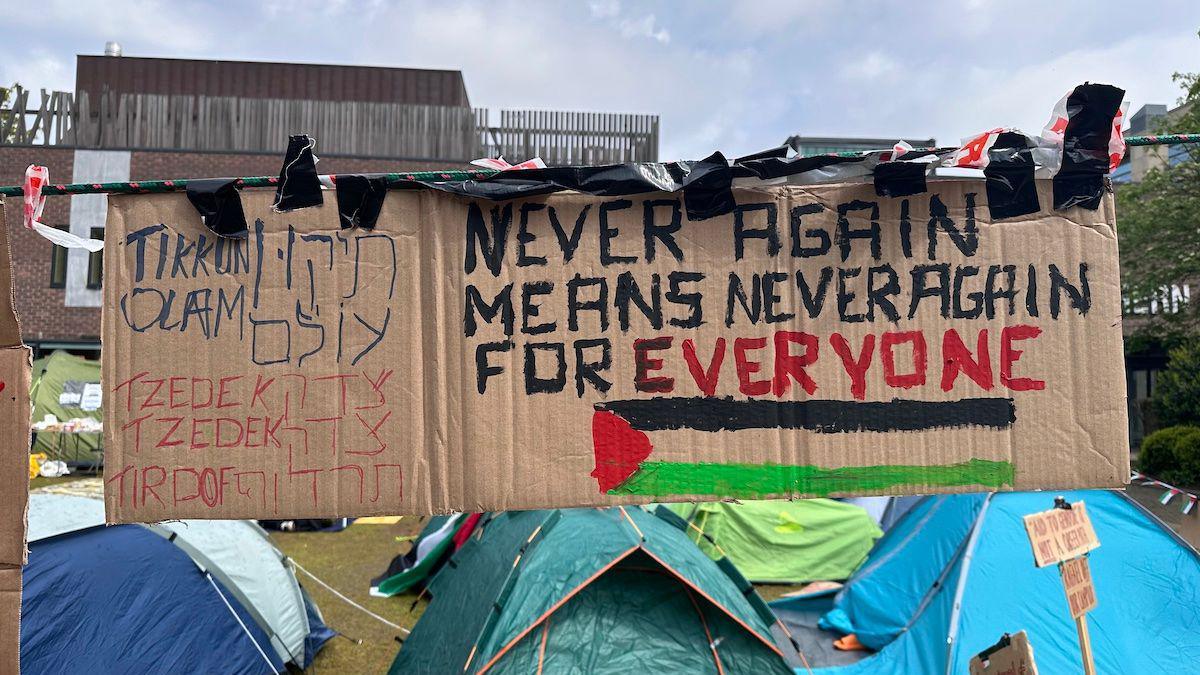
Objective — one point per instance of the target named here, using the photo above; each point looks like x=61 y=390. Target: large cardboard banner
x=576 y=350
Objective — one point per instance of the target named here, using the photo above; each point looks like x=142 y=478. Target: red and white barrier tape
x=36 y=177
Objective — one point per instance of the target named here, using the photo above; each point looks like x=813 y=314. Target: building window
x=58 y=263
x=95 y=272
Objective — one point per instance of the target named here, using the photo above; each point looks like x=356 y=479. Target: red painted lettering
x=221 y=392
x=706 y=379
x=149 y=402
x=1009 y=356
x=788 y=365
x=173 y=424
x=644 y=365
x=746 y=367
x=209 y=401
x=957 y=358
x=856 y=368
x=173 y=392
x=888 y=356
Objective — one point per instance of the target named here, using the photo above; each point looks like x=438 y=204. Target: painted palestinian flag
x=622 y=443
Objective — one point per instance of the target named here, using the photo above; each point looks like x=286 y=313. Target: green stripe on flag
x=756 y=480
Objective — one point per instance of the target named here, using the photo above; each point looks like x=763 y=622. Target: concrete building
x=1141 y=159
x=147 y=118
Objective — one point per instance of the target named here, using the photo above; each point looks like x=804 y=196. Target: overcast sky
x=737 y=76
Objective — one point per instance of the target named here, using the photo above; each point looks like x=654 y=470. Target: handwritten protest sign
x=576 y=350
x=1060 y=534
x=1077 y=580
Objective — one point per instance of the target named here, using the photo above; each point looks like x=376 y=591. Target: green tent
x=67 y=387
x=614 y=590
x=784 y=541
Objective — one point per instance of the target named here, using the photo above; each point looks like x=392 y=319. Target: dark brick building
x=140 y=119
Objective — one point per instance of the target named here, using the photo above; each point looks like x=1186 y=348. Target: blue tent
x=168 y=617
x=184 y=596
x=957 y=572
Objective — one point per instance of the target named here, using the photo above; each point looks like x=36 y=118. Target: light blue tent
x=957 y=572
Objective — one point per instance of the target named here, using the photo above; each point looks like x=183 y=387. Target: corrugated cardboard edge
x=10 y=619
x=14 y=491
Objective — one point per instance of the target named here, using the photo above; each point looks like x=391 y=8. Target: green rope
x=144 y=186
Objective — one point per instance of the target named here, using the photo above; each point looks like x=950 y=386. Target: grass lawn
x=347 y=561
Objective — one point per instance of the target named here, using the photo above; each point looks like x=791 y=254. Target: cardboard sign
x=1077 y=580
x=573 y=350
x=15 y=370
x=1015 y=658
x=1060 y=534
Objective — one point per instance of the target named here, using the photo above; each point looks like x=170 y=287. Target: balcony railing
x=353 y=128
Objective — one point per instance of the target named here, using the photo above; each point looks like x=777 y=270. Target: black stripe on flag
x=831 y=417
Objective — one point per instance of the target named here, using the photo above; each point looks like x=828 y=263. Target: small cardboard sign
x=578 y=350
x=1015 y=658
x=1060 y=534
x=1077 y=581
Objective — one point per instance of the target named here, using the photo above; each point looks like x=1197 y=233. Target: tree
x=1177 y=390
x=1158 y=221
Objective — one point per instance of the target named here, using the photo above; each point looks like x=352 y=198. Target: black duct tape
x=708 y=188
x=899 y=179
x=706 y=184
x=219 y=205
x=779 y=167
x=1080 y=179
x=298 y=186
x=359 y=200
x=779 y=152
x=1009 y=174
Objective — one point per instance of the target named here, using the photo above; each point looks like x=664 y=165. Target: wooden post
x=1085 y=645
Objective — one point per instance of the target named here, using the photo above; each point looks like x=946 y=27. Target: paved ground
x=1187 y=526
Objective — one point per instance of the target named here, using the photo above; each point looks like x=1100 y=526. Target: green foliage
x=1177 y=389
x=1158 y=221
x=1172 y=455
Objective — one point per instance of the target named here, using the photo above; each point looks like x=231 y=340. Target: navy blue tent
x=161 y=612
x=181 y=596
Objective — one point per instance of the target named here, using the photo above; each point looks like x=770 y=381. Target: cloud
x=738 y=76
x=644 y=27
x=604 y=9
x=608 y=12
x=871 y=66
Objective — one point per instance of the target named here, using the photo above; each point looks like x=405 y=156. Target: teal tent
x=784 y=541
x=957 y=572
x=614 y=590
x=67 y=387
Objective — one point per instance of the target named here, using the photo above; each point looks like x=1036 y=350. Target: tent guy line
x=345 y=599
x=176 y=185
